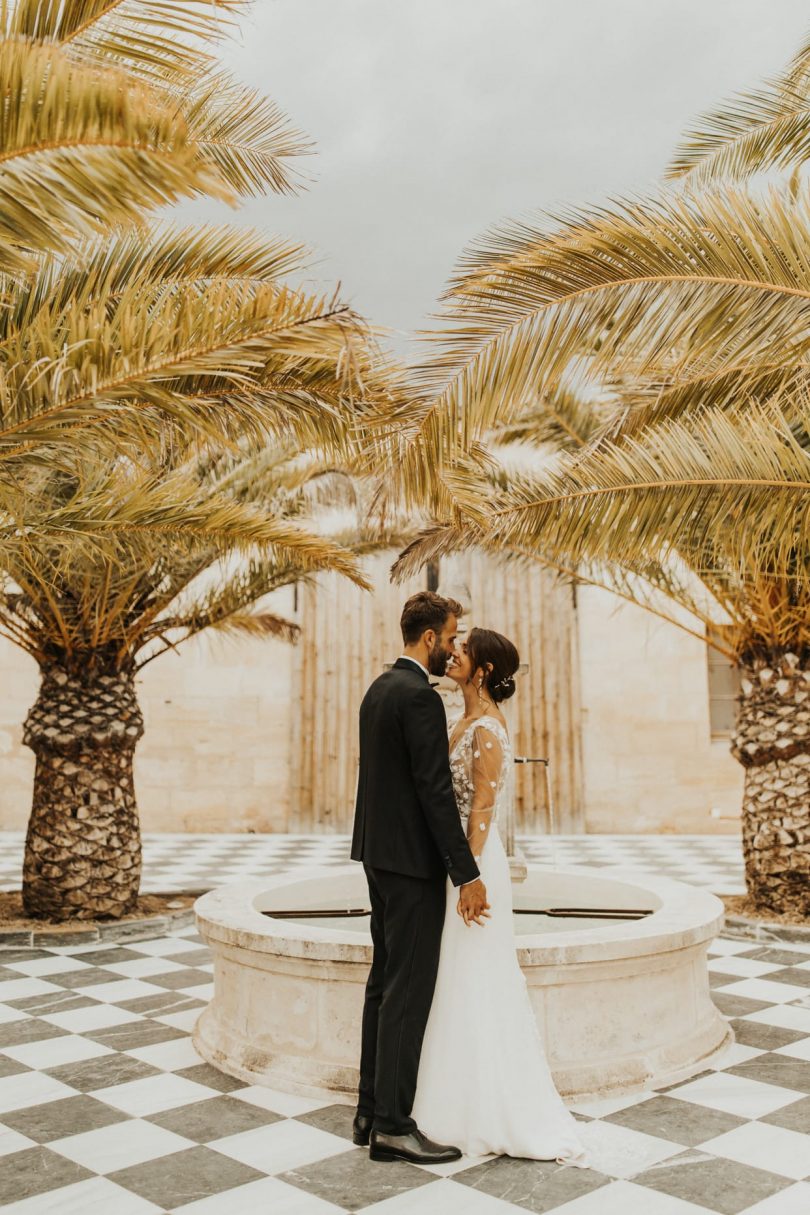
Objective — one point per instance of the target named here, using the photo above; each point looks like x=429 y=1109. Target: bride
x=484 y=1083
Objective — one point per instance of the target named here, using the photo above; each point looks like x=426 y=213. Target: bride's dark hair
x=485 y=647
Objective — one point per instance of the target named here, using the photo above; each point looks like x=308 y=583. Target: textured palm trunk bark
x=772 y=742
x=83 y=848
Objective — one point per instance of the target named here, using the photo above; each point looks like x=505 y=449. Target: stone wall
x=650 y=762
x=216 y=754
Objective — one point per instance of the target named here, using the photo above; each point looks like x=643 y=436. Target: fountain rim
x=687 y=916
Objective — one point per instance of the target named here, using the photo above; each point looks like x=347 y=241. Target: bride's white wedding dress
x=484 y=1083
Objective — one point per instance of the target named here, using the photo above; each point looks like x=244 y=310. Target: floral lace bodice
x=479 y=762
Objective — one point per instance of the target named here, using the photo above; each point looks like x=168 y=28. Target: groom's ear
x=429 y=638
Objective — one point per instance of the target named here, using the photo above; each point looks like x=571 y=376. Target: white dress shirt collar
x=416 y=663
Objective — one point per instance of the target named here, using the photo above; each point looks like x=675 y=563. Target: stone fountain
x=621 y=1005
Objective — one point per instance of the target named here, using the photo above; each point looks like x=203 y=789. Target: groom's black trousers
x=407 y=916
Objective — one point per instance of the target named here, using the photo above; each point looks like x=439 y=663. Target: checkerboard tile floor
x=204 y=861
x=105 y=1108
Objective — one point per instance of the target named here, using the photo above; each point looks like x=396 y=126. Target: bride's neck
x=474 y=705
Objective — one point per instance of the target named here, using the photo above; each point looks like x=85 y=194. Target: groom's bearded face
x=443 y=647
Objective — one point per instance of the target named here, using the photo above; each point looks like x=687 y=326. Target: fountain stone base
x=621 y=1006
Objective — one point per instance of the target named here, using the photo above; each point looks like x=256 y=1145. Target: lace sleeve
x=487 y=761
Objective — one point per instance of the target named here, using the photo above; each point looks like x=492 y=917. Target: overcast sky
x=436 y=118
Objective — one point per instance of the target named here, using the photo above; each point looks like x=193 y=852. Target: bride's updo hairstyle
x=485 y=647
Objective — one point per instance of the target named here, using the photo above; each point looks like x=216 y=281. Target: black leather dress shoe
x=361 y=1129
x=414 y=1147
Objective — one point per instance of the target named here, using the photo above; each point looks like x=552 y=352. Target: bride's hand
x=472 y=903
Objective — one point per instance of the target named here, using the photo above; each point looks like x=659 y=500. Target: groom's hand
x=472 y=903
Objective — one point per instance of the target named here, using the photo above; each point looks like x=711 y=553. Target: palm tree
x=106 y=545
x=158 y=385
x=229 y=534
x=658 y=351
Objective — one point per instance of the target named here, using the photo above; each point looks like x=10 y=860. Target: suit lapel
x=405 y=664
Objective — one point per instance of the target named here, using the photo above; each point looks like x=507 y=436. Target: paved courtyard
x=198 y=862
x=105 y=1107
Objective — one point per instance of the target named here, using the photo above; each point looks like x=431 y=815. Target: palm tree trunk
x=83 y=848
x=772 y=742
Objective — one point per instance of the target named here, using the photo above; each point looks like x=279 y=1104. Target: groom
x=408 y=834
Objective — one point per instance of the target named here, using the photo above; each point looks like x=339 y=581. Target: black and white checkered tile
x=199 y=862
x=105 y=1109
x=105 y=1106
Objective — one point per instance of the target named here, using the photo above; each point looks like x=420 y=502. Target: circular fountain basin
x=621 y=1005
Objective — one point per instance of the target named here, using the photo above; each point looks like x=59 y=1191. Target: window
x=724 y=687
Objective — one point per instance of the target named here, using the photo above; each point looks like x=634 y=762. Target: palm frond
x=660 y=588
x=564 y=420
x=151 y=552
x=228 y=604
x=752 y=133
x=153 y=258
x=82 y=148
x=180 y=355
x=767 y=128
x=654 y=293
x=172 y=507
x=678 y=489
x=150 y=37
x=258 y=625
x=708 y=515
x=242 y=136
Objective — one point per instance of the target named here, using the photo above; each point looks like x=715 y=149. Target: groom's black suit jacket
x=406 y=818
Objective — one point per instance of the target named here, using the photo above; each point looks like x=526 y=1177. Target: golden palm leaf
x=240 y=135
x=257 y=624
x=151 y=37
x=767 y=128
x=162 y=544
x=241 y=138
x=81 y=149
x=718 y=500
x=752 y=133
x=268 y=356
x=112 y=108
x=564 y=420
x=671 y=292
x=156 y=256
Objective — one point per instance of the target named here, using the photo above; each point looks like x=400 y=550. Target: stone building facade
x=225 y=724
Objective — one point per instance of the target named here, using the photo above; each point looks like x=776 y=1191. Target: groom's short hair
x=426 y=610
